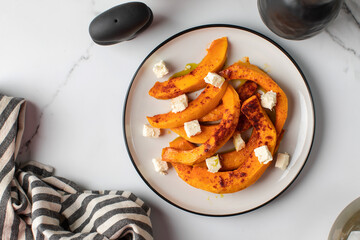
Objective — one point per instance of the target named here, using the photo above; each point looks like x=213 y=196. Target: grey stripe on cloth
x=36 y=204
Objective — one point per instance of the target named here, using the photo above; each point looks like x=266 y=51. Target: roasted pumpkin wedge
x=245 y=70
x=249 y=171
x=222 y=134
x=181 y=144
x=204 y=103
x=213 y=115
x=233 y=159
x=193 y=81
x=243 y=123
x=245 y=91
x=206 y=132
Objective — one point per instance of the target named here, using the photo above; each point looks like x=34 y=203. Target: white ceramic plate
x=189 y=47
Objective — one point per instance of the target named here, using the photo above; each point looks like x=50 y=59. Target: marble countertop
x=76 y=90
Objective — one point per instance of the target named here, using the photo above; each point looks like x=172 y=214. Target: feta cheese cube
x=354 y=235
x=214 y=79
x=268 y=100
x=282 y=160
x=263 y=154
x=239 y=143
x=160 y=166
x=160 y=69
x=149 y=131
x=187 y=67
x=179 y=103
x=213 y=164
x=192 y=128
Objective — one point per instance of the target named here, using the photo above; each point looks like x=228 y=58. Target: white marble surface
x=76 y=90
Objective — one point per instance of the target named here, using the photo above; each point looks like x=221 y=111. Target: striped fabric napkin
x=35 y=204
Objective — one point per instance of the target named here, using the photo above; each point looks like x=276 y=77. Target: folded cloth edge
x=35 y=204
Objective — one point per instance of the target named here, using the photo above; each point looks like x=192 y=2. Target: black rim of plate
x=217 y=26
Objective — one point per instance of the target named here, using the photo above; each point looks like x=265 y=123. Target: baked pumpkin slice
x=208 y=99
x=206 y=132
x=245 y=91
x=193 y=81
x=213 y=115
x=249 y=171
x=234 y=159
x=245 y=70
x=222 y=134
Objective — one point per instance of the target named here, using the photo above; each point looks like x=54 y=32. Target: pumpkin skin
x=245 y=70
x=222 y=134
x=193 y=81
x=204 y=103
x=249 y=171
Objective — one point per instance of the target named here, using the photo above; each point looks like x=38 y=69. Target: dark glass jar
x=298 y=19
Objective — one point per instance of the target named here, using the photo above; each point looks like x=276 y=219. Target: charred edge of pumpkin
x=243 y=124
x=247 y=90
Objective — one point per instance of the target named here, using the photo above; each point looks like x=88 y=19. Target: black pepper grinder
x=298 y=19
x=120 y=23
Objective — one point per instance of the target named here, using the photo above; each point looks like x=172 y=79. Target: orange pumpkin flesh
x=213 y=115
x=223 y=133
x=245 y=70
x=204 y=103
x=213 y=62
x=249 y=171
x=206 y=132
x=181 y=143
x=233 y=159
x=245 y=91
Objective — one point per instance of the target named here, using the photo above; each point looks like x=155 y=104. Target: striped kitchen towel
x=35 y=204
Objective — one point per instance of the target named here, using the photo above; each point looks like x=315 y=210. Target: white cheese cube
x=239 y=143
x=268 y=100
x=192 y=128
x=263 y=154
x=187 y=67
x=160 y=166
x=149 y=131
x=179 y=103
x=354 y=235
x=160 y=69
x=282 y=160
x=213 y=164
x=214 y=79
